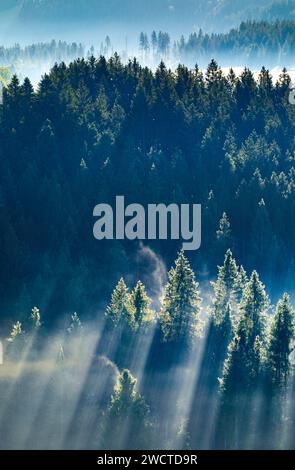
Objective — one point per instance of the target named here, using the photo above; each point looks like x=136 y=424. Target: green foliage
x=119 y=312
x=16 y=332
x=128 y=416
x=281 y=342
x=253 y=360
x=140 y=309
x=254 y=307
x=179 y=316
x=176 y=136
x=5 y=76
x=244 y=360
x=16 y=342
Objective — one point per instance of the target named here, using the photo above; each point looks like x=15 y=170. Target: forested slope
x=97 y=129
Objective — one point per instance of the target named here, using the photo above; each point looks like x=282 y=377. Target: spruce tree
x=128 y=421
x=224 y=233
x=241 y=284
x=118 y=312
x=179 y=316
x=76 y=327
x=140 y=306
x=228 y=278
x=281 y=342
x=36 y=318
x=249 y=338
x=16 y=341
x=254 y=307
x=242 y=372
x=277 y=368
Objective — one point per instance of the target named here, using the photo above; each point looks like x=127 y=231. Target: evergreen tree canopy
x=179 y=317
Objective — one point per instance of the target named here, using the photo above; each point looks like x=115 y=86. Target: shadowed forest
x=96 y=129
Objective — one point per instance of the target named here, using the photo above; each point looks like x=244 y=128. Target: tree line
x=253 y=42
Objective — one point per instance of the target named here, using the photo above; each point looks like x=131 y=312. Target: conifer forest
x=138 y=343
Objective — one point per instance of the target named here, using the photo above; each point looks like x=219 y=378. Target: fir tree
x=119 y=309
x=76 y=327
x=179 y=315
x=128 y=421
x=16 y=341
x=228 y=278
x=281 y=342
x=140 y=306
x=242 y=372
x=254 y=307
x=36 y=318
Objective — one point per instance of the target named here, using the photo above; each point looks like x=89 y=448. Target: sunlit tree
x=281 y=342
x=119 y=309
x=179 y=317
x=128 y=420
x=140 y=306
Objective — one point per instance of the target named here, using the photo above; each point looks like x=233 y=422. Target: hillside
x=214 y=13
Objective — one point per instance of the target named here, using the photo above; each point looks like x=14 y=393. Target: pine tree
x=241 y=284
x=254 y=307
x=76 y=327
x=277 y=367
x=253 y=319
x=140 y=306
x=280 y=345
x=179 y=316
x=225 y=291
x=118 y=312
x=16 y=341
x=228 y=275
x=224 y=231
x=154 y=41
x=36 y=318
x=128 y=421
x=242 y=372
x=220 y=329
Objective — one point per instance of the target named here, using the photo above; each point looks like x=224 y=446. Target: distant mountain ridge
x=223 y=12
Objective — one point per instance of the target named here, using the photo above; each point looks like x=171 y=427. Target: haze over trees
x=214 y=374
x=120 y=344
x=251 y=44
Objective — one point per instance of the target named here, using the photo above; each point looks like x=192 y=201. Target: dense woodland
x=96 y=129
x=191 y=375
x=35 y=59
x=41 y=52
x=251 y=43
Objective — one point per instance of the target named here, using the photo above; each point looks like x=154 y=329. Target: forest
x=195 y=374
x=252 y=43
x=35 y=59
x=41 y=52
x=96 y=129
x=192 y=359
x=180 y=338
